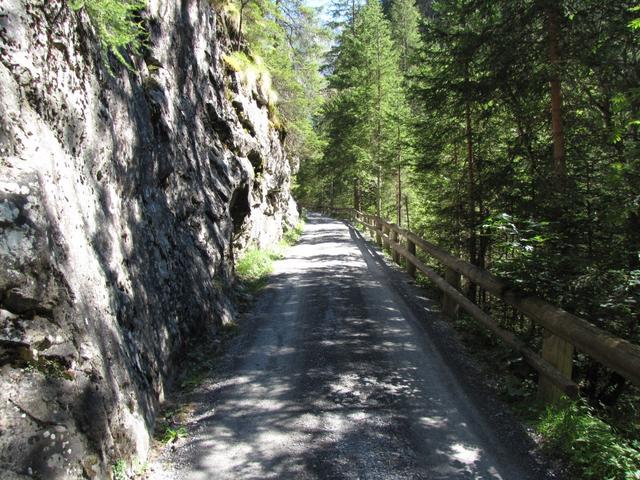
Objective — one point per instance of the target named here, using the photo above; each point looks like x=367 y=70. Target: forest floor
x=343 y=369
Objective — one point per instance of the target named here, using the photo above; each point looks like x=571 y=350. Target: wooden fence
x=562 y=331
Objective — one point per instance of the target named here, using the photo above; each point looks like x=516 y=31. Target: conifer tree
x=368 y=102
x=404 y=18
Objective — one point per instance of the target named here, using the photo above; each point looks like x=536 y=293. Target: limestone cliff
x=122 y=199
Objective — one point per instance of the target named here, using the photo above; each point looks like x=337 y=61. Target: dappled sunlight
x=334 y=380
x=464 y=454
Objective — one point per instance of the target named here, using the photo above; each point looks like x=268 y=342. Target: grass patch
x=572 y=430
x=195 y=377
x=237 y=61
x=49 y=368
x=255 y=266
x=255 y=74
x=292 y=235
x=117 y=25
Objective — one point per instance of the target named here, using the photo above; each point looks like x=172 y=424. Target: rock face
x=122 y=200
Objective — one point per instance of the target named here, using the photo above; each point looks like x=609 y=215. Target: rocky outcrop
x=122 y=200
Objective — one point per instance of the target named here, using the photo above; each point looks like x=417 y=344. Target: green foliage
x=238 y=61
x=254 y=267
x=194 y=378
x=635 y=23
x=116 y=24
x=49 y=368
x=404 y=18
x=573 y=430
x=169 y=428
x=292 y=235
x=173 y=434
x=140 y=468
x=119 y=470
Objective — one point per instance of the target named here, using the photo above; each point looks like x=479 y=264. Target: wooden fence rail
x=563 y=330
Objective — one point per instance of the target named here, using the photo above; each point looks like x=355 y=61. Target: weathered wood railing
x=563 y=330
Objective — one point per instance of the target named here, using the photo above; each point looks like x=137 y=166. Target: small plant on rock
x=292 y=235
x=119 y=470
x=172 y=434
x=116 y=24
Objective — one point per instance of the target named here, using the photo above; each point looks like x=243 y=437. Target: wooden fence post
x=449 y=306
x=411 y=268
x=396 y=240
x=559 y=353
x=385 y=237
x=378 y=231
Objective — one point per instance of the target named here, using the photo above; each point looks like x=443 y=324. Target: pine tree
x=404 y=18
x=368 y=102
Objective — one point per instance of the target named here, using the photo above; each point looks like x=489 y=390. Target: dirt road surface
x=338 y=372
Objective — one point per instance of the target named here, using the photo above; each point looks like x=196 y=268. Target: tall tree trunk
x=356 y=193
x=353 y=17
x=379 y=193
x=406 y=211
x=243 y=4
x=553 y=19
x=379 y=126
x=331 y=194
x=399 y=198
x=472 y=247
x=399 y=181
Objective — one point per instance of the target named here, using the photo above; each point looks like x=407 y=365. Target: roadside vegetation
x=255 y=265
x=292 y=235
x=591 y=445
x=122 y=470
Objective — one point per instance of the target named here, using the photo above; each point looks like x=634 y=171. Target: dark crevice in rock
x=239 y=207
x=220 y=126
x=256 y=160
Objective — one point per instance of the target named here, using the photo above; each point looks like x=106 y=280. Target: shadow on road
x=334 y=376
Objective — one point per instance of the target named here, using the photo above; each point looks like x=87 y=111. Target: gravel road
x=336 y=374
